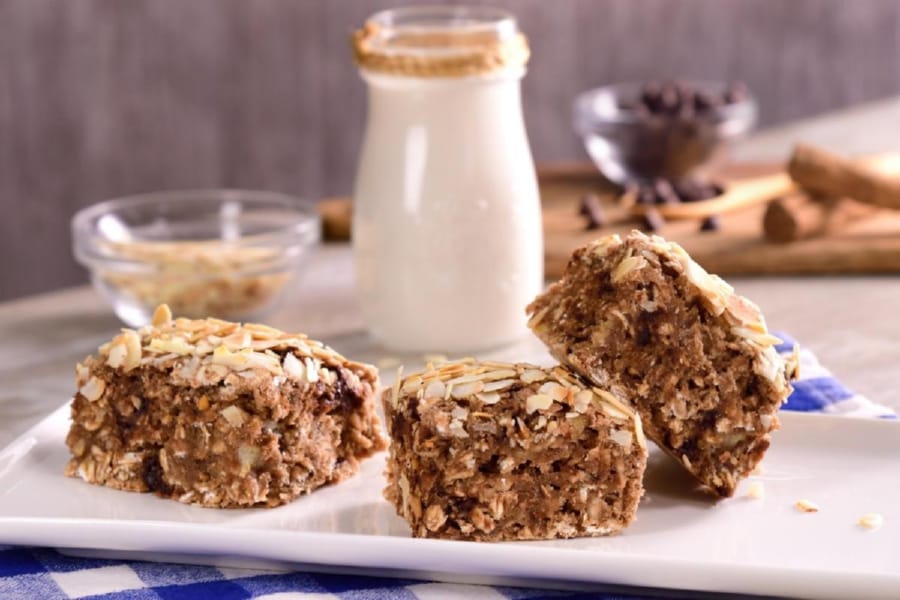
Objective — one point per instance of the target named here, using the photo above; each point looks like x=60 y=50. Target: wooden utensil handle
x=830 y=174
x=799 y=217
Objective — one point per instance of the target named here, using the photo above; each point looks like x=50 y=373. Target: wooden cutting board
x=737 y=248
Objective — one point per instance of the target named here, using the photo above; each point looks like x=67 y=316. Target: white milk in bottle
x=447 y=222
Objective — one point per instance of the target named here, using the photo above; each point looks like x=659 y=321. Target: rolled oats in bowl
x=229 y=254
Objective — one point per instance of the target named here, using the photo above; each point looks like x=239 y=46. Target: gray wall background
x=101 y=98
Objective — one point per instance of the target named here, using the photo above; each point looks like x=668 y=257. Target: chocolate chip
x=153 y=476
x=710 y=223
x=662 y=191
x=665 y=193
x=643 y=335
x=652 y=220
x=680 y=99
x=591 y=208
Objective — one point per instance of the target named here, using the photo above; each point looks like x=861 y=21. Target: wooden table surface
x=852 y=323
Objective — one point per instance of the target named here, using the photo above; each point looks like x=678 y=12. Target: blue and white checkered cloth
x=48 y=575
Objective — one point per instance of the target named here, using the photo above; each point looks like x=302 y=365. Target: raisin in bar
x=495 y=451
x=219 y=414
x=639 y=317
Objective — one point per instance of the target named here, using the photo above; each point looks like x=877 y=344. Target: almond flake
x=435 y=389
x=871 y=521
x=494 y=386
x=756 y=490
x=622 y=437
x=488 y=397
x=234 y=415
x=533 y=375
x=628 y=264
x=538 y=402
x=464 y=390
x=293 y=367
x=312 y=369
x=93 y=389
x=162 y=315
x=554 y=390
x=806 y=506
x=582 y=400
x=175 y=345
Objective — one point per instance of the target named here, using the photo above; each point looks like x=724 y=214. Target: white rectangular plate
x=682 y=539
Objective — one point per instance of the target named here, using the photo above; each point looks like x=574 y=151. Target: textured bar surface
x=497 y=451
x=219 y=414
x=637 y=316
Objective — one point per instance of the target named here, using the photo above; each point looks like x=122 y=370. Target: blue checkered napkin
x=818 y=391
x=45 y=574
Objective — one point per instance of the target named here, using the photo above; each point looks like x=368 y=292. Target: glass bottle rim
x=431 y=30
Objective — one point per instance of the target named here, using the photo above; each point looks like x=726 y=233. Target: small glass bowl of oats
x=230 y=254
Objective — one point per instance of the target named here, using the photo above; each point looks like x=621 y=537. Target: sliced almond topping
x=806 y=506
x=162 y=315
x=537 y=317
x=639 y=431
x=248 y=457
x=395 y=389
x=312 y=369
x=499 y=374
x=494 y=386
x=871 y=521
x=532 y=375
x=756 y=490
x=411 y=384
x=435 y=389
x=93 y=389
x=225 y=357
x=612 y=406
x=538 y=402
x=464 y=390
x=234 y=415
x=293 y=367
x=556 y=391
x=175 y=345
x=583 y=400
x=761 y=338
x=488 y=397
x=468 y=378
x=622 y=437
x=628 y=265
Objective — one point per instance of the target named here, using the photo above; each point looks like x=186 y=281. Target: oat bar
x=219 y=414
x=495 y=451
x=639 y=317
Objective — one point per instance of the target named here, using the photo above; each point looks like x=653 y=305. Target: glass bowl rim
x=291 y=239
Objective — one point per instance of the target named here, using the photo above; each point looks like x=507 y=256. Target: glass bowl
x=230 y=254
x=628 y=145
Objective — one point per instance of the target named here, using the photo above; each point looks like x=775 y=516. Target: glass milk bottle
x=447 y=222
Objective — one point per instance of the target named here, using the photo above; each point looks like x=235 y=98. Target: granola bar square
x=639 y=317
x=494 y=451
x=220 y=414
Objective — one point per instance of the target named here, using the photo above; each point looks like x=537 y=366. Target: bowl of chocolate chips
x=673 y=131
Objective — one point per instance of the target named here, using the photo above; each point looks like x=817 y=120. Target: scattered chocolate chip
x=652 y=220
x=662 y=191
x=710 y=223
x=665 y=193
x=592 y=209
